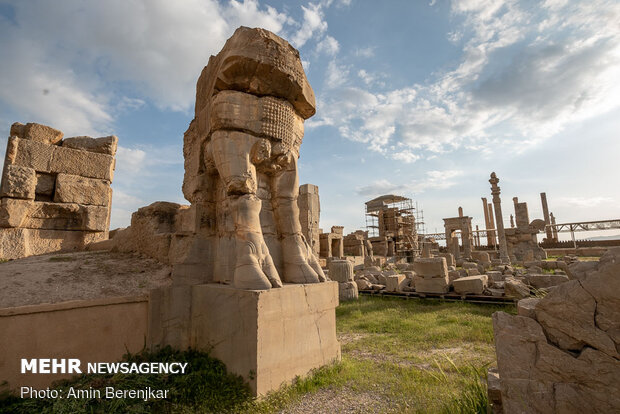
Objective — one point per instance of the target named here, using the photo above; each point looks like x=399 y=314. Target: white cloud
x=336 y=75
x=365 y=52
x=525 y=74
x=585 y=201
x=328 y=45
x=312 y=24
x=434 y=180
x=131 y=160
x=405 y=156
x=63 y=62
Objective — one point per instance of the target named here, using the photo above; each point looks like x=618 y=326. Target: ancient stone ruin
x=560 y=354
x=242 y=234
x=241 y=154
x=309 y=215
x=55 y=193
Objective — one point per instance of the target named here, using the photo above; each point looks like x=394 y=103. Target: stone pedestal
x=269 y=337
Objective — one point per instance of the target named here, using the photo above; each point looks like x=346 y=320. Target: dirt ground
x=60 y=277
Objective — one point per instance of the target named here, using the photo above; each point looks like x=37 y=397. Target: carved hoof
x=272 y=275
x=300 y=273
x=248 y=272
x=251 y=277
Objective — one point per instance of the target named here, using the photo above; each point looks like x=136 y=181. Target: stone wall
x=100 y=330
x=55 y=194
x=560 y=354
x=310 y=214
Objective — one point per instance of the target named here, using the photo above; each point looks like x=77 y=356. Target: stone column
x=497 y=205
x=487 y=223
x=543 y=199
x=554 y=229
x=466 y=236
x=477 y=238
x=492 y=223
x=512 y=221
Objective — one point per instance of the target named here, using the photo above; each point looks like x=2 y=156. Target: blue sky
x=418 y=98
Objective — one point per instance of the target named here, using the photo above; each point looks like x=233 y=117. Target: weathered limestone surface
x=19 y=242
x=395 y=283
x=347 y=291
x=545 y=280
x=103 y=145
x=515 y=288
x=82 y=190
x=563 y=357
x=241 y=176
x=309 y=215
x=18 y=182
x=431 y=275
x=527 y=307
x=49 y=186
x=470 y=284
x=341 y=271
x=269 y=337
x=36 y=132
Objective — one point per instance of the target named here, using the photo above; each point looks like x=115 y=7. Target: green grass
x=410 y=356
x=421 y=356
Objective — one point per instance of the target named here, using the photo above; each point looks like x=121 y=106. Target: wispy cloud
x=525 y=74
x=585 y=201
x=433 y=180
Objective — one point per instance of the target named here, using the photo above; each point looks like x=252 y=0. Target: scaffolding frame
x=394 y=217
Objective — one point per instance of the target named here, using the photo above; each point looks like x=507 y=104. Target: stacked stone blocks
x=52 y=186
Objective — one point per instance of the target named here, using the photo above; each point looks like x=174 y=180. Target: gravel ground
x=53 y=278
x=341 y=400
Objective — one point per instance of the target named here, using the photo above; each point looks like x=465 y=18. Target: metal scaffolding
x=394 y=218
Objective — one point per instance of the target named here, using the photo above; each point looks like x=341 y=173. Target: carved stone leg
x=300 y=265
x=254 y=266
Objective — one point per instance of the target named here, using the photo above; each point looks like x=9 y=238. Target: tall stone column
x=497 y=206
x=549 y=231
x=554 y=229
x=487 y=223
x=492 y=224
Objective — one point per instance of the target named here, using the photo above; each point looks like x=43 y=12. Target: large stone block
x=430 y=267
x=431 y=285
x=514 y=288
x=341 y=271
x=537 y=377
x=527 y=307
x=567 y=315
x=103 y=145
x=347 y=291
x=31 y=154
x=545 y=280
x=52 y=216
x=395 y=283
x=81 y=190
x=470 y=285
x=269 y=337
x=13 y=212
x=19 y=242
x=18 y=182
x=36 y=132
x=82 y=163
